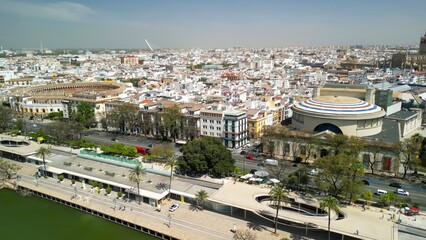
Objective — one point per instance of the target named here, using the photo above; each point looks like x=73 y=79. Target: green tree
x=388 y=198
x=6 y=116
x=277 y=195
x=206 y=155
x=124 y=117
x=337 y=143
x=329 y=204
x=136 y=175
x=367 y=196
x=170 y=164
x=173 y=121
x=408 y=150
x=162 y=151
x=20 y=125
x=85 y=114
x=333 y=173
x=201 y=196
x=43 y=152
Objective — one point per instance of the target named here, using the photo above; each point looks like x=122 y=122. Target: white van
x=271 y=162
x=381 y=192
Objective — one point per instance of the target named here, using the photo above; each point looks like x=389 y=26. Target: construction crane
x=148 y=45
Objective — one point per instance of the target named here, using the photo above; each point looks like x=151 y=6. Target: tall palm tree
x=43 y=152
x=201 y=196
x=135 y=175
x=277 y=195
x=170 y=164
x=329 y=204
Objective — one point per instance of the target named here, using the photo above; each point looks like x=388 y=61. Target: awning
x=274 y=180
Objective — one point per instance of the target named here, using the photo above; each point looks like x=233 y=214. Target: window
x=366 y=160
x=218 y=128
x=205 y=120
x=211 y=127
x=218 y=134
x=386 y=164
x=204 y=126
x=286 y=148
x=211 y=134
x=218 y=122
x=204 y=133
x=303 y=150
x=211 y=121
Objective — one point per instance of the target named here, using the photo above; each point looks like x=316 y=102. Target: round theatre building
x=339 y=114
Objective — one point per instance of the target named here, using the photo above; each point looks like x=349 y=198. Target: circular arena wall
x=350 y=116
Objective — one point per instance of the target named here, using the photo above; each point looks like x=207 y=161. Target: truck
x=271 y=162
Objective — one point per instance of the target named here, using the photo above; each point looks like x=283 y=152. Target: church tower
x=422 y=48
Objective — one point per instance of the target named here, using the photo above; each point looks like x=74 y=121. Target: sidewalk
x=186 y=222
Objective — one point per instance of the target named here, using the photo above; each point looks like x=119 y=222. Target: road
x=416 y=194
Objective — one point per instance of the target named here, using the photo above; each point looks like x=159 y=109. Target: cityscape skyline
x=199 y=24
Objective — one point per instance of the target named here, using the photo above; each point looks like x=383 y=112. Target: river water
x=35 y=218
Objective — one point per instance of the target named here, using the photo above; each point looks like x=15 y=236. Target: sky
x=125 y=24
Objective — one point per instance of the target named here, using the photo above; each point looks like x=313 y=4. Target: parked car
x=366 y=182
x=402 y=192
x=253 y=171
x=243 y=152
x=250 y=157
x=114 y=139
x=395 y=184
x=174 y=207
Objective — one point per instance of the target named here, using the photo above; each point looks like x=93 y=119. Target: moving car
x=173 y=207
x=395 y=184
x=250 y=157
x=402 y=192
x=380 y=192
x=366 y=182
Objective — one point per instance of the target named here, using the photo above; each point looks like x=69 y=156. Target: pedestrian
x=235 y=228
x=383 y=215
x=357 y=233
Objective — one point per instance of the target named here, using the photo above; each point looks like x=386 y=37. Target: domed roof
x=340 y=105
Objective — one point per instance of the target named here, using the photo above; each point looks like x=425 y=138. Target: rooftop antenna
x=148 y=45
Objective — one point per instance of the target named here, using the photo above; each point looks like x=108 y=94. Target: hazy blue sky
x=209 y=24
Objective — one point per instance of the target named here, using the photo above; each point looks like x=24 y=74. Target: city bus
x=142 y=150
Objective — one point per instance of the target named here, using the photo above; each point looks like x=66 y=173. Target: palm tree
x=135 y=175
x=277 y=195
x=43 y=152
x=170 y=164
x=201 y=196
x=329 y=204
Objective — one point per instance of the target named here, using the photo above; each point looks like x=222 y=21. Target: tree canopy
x=85 y=114
x=121 y=149
x=206 y=155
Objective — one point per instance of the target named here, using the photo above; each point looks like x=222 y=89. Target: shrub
x=100 y=185
x=109 y=173
x=298 y=160
x=72 y=181
x=61 y=177
x=119 y=194
x=67 y=164
x=108 y=190
x=88 y=168
x=93 y=183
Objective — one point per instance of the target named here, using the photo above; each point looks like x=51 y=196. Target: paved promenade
x=189 y=223
x=186 y=222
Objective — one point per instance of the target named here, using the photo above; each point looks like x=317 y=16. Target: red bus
x=142 y=150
